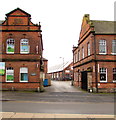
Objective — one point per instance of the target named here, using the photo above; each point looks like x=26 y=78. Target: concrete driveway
x=61 y=86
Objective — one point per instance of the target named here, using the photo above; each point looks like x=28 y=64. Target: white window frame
x=7 y=73
x=83 y=55
x=102 y=43
x=74 y=58
x=88 y=49
x=113 y=45
x=78 y=55
x=114 y=72
x=26 y=71
x=37 y=49
x=21 y=51
x=105 y=73
x=7 y=46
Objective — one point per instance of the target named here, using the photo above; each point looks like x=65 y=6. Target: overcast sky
x=61 y=21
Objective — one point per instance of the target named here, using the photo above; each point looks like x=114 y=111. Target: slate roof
x=59 y=67
x=105 y=27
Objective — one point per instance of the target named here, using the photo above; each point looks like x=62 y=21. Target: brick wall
x=18 y=26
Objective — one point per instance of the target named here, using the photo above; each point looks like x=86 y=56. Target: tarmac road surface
x=58 y=107
x=60 y=98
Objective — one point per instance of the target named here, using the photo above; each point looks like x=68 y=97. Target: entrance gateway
x=86 y=80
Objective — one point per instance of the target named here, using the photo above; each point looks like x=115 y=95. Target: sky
x=61 y=22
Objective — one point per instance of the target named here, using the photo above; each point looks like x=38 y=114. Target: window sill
x=10 y=81
x=102 y=53
x=10 y=53
x=113 y=53
x=103 y=81
x=114 y=81
x=24 y=81
x=24 y=53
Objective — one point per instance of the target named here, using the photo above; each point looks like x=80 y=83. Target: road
x=61 y=97
x=58 y=107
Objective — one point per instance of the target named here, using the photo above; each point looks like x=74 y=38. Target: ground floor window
x=23 y=74
x=9 y=74
x=103 y=75
x=2 y=68
x=114 y=74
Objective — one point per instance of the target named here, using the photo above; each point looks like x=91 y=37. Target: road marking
x=59 y=102
x=47 y=115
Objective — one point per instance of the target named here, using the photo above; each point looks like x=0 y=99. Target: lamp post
x=62 y=68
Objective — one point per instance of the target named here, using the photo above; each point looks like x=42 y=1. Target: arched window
x=10 y=46
x=24 y=46
x=9 y=74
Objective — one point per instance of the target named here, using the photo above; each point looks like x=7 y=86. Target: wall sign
x=33 y=74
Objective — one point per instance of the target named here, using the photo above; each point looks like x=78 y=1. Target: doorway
x=84 y=80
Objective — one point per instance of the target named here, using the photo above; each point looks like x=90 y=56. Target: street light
x=62 y=68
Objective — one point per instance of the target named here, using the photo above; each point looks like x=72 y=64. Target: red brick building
x=21 y=50
x=94 y=58
x=62 y=72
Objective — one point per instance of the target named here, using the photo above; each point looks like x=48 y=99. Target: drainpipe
x=96 y=72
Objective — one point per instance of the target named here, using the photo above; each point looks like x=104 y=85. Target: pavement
x=44 y=116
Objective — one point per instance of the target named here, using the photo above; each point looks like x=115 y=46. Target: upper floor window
x=114 y=74
x=82 y=52
x=113 y=46
x=79 y=55
x=103 y=75
x=88 y=49
x=74 y=58
x=24 y=46
x=102 y=47
x=10 y=46
x=9 y=74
